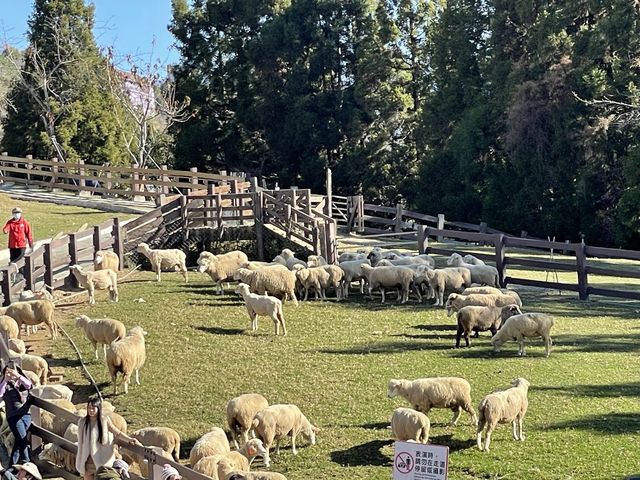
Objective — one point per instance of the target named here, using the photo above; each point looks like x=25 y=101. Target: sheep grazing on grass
x=221 y=267
x=101 y=280
x=127 y=356
x=101 y=331
x=442 y=280
x=437 y=392
x=106 y=260
x=278 y=421
x=164 y=437
x=240 y=413
x=262 y=305
x=275 y=280
x=480 y=319
x=389 y=277
x=353 y=272
x=168 y=259
x=211 y=443
x=481 y=274
x=503 y=407
x=33 y=312
x=409 y=424
x=525 y=325
x=456 y=301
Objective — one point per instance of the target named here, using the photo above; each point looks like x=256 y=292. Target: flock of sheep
x=264 y=286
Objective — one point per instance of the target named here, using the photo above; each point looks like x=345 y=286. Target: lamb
x=8 y=327
x=168 y=259
x=436 y=392
x=442 y=280
x=221 y=267
x=276 y=280
x=164 y=437
x=32 y=363
x=471 y=260
x=240 y=413
x=291 y=260
x=316 y=261
x=501 y=407
x=482 y=274
x=389 y=277
x=455 y=301
x=102 y=280
x=106 y=260
x=480 y=319
x=525 y=325
x=353 y=271
x=213 y=442
x=33 y=312
x=262 y=305
x=317 y=278
x=409 y=424
x=277 y=421
x=127 y=356
x=101 y=331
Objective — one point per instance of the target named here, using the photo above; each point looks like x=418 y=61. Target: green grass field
x=583 y=420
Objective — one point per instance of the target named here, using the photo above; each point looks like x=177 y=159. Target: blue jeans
x=19 y=425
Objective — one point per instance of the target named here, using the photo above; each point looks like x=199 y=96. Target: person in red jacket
x=20 y=235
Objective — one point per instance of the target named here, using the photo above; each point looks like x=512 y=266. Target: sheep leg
x=293 y=444
x=137 y=377
x=440 y=302
x=466 y=338
x=481 y=425
x=521 y=351
x=547 y=345
x=514 y=429
x=459 y=335
x=520 y=419
x=104 y=350
x=487 y=439
x=157 y=269
x=306 y=293
x=361 y=287
x=127 y=378
x=457 y=411
x=276 y=323
x=90 y=288
x=382 y=292
x=282 y=324
x=114 y=379
x=185 y=273
x=95 y=349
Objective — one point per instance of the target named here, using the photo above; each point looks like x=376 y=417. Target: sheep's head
x=76 y=269
x=138 y=331
x=82 y=320
x=205 y=260
x=509 y=311
x=241 y=272
x=449 y=305
x=455 y=260
x=497 y=342
x=255 y=448
x=287 y=254
x=142 y=247
x=309 y=432
x=393 y=387
x=242 y=289
x=99 y=258
x=521 y=382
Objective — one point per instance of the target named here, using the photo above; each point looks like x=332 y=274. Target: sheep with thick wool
x=316 y=261
x=164 y=437
x=8 y=327
x=316 y=278
x=336 y=275
x=481 y=274
x=33 y=312
x=493 y=291
x=17 y=345
x=221 y=267
x=503 y=407
x=165 y=259
x=471 y=260
x=456 y=301
x=127 y=356
x=352 y=256
x=407 y=261
x=278 y=421
x=240 y=413
x=56 y=455
x=275 y=280
x=291 y=260
x=106 y=260
x=100 y=280
x=436 y=392
x=101 y=331
x=32 y=363
x=211 y=443
x=221 y=466
x=389 y=277
x=480 y=319
x=262 y=305
x=410 y=424
x=43 y=294
x=442 y=280
x=353 y=272
x=522 y=326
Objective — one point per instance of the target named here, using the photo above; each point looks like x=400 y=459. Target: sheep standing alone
x=101 y=331
x=409 y=424
x=240 y=413
x=106 y=260
x=525 y=325
x=33 y=312
x=437 y=392
x=211 y=443
x=481 y=274
x=502 y=407
x=278 y=421
x=480 y=319
x=164 y=437
x=127 y=356
x=167 y=259
x=221 y=267
x=389 y=277
x=101 y=280
x=262 y=305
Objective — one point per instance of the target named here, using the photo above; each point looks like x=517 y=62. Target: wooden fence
x=582 y=254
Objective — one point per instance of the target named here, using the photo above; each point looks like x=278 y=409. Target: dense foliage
x=477 y=109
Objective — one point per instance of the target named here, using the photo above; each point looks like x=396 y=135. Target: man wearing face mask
x=20 y=235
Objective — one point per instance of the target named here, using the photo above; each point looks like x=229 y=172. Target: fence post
x=82 y=183
x=194 y=179
x=483 y=229
x=118 y=241
x=73 y=254
x=29 y=167
x=6 y=287
x=399 y=210
x=96 y=239
x=440 y=238
x=219 y=212
x=500 y=258
x=48 y=270
x=54 y=174
x=423 y=239
x=329 y=205
x=360 y=214
x=28 y=272
x=108 y=184
x=581 y=266
x=258 y=222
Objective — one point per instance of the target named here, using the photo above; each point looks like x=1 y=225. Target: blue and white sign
x=416 y=461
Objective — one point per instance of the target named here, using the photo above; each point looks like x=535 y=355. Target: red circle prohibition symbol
x=404 y=462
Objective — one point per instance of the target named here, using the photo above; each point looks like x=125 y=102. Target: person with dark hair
x=20 y=235
x=96 y=437
x=14 y=389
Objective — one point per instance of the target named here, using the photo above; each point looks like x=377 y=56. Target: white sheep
x=221 y=267
x=493 y=291
x=278 y=421
x=17 y=345
x=101 y=331
x=165 y=259
x=406 y=261
x=409 y=424
x=262 y=305
x=442 y=280
x=164 y=437
x=481 y=319
x=106 y=260
x=127 y=356
x=471 y=260
x=101 y=280
x=389 y=277
x=33 y=312
x=352 y=256
x=316 y=278
x=456 y=301
x=32 y=363
x=353 y=272
x=52 y=391
x=240 y=413
x=376 y=254
x=43 y=294
x=291 y=260
x=316 y=261
x=8 y=327
x=525 y=325
x=481 y=274
x=423 y=394
x=503 y=407
x=336 y=275
x=275 y=280
x=211 y=443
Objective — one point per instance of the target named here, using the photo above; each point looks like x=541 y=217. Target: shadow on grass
x=614 y=343
x=606 y=390
x=221 y=331
x=367 y=454
x=453 y=444
x=66 y=362
x=437 y=328
x=385 y=347
x=82 y=391
x=612 y=423
x=372 y=426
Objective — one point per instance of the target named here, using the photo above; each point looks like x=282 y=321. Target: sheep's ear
x=252 y=450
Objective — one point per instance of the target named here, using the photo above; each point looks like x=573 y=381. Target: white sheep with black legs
x=262 y=305
x=456 y=301
x=522 y=326
x=165 y=259
x=442 y=280
x=127 y=356
x=480 y=274
x=273 y=280
x=106 y=260
x=423 y=394
x=278 y=421
x=221 y=267
x=353 y=272
x=101 y=331
x=410 y=424
x=240 y=413
x=100 y=280
x=32 y=312
x=503 y=407
x=389 y=277
x=480 y=319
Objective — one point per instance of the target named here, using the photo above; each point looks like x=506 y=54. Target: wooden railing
x=582 y=254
